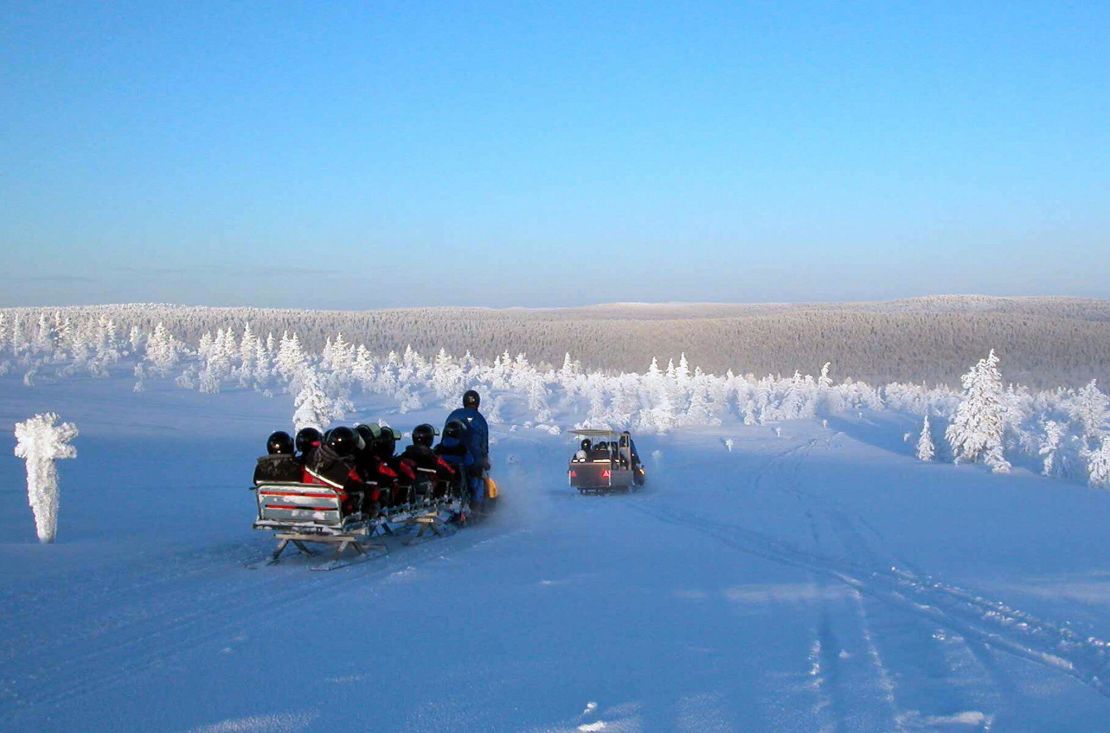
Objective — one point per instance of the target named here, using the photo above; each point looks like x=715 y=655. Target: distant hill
x=1043 y=341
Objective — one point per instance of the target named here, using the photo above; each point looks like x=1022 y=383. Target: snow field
x=816 y=579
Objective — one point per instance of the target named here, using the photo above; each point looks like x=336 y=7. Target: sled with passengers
x=606 y=460
x=314 y=501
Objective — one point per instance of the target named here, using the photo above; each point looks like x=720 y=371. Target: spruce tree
x=925 y=448
x=977 y=428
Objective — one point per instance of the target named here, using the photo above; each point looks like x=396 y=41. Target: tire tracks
x=977 y=619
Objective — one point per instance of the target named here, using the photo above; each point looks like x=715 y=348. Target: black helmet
x=454 y=429
x=343 y=440
x=307 y=439
x=386 y=444
x=367 y=433
x=279 y=443
x=585 y=444
x=471 y=399
x=423 y=435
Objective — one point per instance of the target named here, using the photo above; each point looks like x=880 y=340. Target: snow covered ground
x=813 y=578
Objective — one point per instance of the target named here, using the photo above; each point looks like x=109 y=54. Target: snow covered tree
x=661 y=415
x=134 y=339
x=107 y=352
x=291 y=359
x=682 y=371
x=246 y=355
x=1098 y=464
x=447 y=378
x=407 y=399
x=312 y=405
x=568 y=370
x=1091 y=411
x=41 y=441
x=537 y=398
x=339 y=356
x=161 y=350
x=385 y=379
x=363 y=368
x=977 y=428
x=800 y=400
x=827 y=399
x=626 y=400
x=700 y=410
x=493 y=415
x=218 y=354
x=17 y=335
x=262 y=367
x=925 y=448
x=598 y=415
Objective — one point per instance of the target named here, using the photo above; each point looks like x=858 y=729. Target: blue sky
x=399 y=154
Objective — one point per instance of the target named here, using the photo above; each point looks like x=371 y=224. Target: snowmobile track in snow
x=992 y=623
x=977 y=619
x=196 y=616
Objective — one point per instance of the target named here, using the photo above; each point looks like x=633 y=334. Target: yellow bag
x=491 y=488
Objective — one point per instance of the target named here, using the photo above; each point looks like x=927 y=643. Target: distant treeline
x=1047 y=342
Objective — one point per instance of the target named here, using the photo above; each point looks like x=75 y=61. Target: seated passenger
x=308 y=440
x=433 y=474
x=420 y=453
x=583 y=453
x=278 y=465
x=454 y=449
x=600 y=452
x=386 y=449
x=374 y=468
x=365 y=458
x=333 y=464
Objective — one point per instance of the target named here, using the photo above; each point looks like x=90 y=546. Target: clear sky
x=372 y=154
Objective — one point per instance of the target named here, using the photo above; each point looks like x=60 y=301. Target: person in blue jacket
x=477 y=439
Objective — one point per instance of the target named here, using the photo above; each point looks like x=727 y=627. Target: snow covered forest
x=1045 y=342
x=990 y=417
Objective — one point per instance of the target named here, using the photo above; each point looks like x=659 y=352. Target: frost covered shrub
x=40 y=441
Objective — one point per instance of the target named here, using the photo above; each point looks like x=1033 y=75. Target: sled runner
x=607 y=461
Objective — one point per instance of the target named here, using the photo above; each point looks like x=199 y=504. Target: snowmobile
x=606 y=461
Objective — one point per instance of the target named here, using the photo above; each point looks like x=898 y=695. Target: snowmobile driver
x=477 y=441
x=639 y=474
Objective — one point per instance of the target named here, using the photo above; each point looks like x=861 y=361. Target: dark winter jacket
x=327 y=468
x=426 y=458
x=477 y=433
x=277 y=468
x=330 y=469
x=457 y=453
